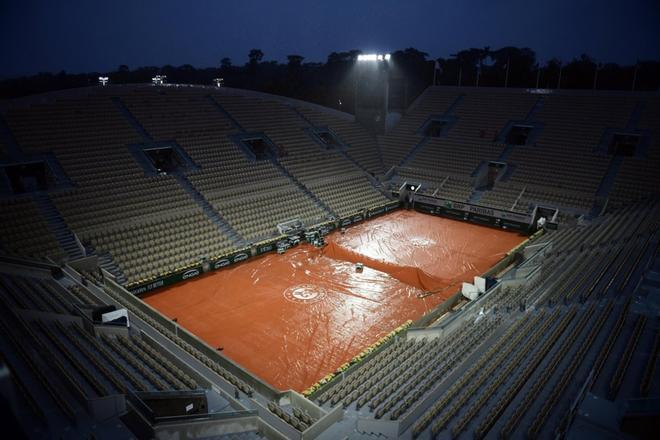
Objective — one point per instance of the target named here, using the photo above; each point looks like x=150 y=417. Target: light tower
x=372 y=90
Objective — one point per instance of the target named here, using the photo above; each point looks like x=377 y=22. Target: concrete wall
x=209 y=428
x=301 y=402
x=428 y=332
x=278 y=424
x=324 y=423
x=106 y=407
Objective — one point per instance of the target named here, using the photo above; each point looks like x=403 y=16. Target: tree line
x=332 y=83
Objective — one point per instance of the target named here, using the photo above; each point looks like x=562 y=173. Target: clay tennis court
x=291 y=319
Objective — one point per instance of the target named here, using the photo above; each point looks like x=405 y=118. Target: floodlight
x=103 y=80
x=159 y=80
x=373 y=57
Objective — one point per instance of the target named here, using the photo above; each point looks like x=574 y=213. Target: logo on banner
x=240 y=257
x=306 y=293
x=221 y=263
x=266 y=248
x=189 y=274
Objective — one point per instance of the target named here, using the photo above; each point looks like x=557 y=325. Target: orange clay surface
x=291 y=319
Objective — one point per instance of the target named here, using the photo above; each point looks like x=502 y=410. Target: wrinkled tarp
x=291 y=319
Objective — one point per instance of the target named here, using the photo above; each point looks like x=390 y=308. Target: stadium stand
x=638 y=176
x=24 y=230
x=569 y=325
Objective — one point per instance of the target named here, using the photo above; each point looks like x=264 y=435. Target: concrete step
x=305 y=190
x=9 y=141
x=107 y=263
x=210 y=212
x=131 y=118
x=476 y=196
x=225 y=113
x=58 y=226
x=413 y=152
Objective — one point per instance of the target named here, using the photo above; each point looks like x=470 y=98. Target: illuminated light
x=374 y=57
x=368 y=57
x=103 y=80
x=159 y=80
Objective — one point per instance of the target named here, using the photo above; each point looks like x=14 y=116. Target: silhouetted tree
x=334 y=80
x=225 y=63
x=295 y=60
x=579 y=73
x=520 y=63
x=254 y=57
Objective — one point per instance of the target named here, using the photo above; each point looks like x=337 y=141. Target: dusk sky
x=89 y=35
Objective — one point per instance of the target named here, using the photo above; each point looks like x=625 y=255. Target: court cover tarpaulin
x=291 y=319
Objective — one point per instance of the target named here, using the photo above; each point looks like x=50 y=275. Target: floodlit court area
x=291 y=319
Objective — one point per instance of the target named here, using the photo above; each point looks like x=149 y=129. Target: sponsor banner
x=191 y=273
x=479 y=218
x=474 y=209
x=267 y=245
x=222 y=262
x=230 y=259
x=392 y=205
x=379 y=210
x=167 y=280
x=345 y=222
x=373 y=212
x=240 y=256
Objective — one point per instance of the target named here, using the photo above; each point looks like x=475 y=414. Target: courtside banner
x=230 y=259
x=346 y=221
x=472 y=213
x=167 y=280
x=380 y=210
x=475 y=209
x=367 y=213
x=267 y=245
x=324 y=227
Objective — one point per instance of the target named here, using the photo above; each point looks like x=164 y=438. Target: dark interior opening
x=165 y=160
x=494 y=170
x=518 y=135
x=259 y=147
x=624 y=144
x=435 y=128
x=29 y=177
x=329 y=139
